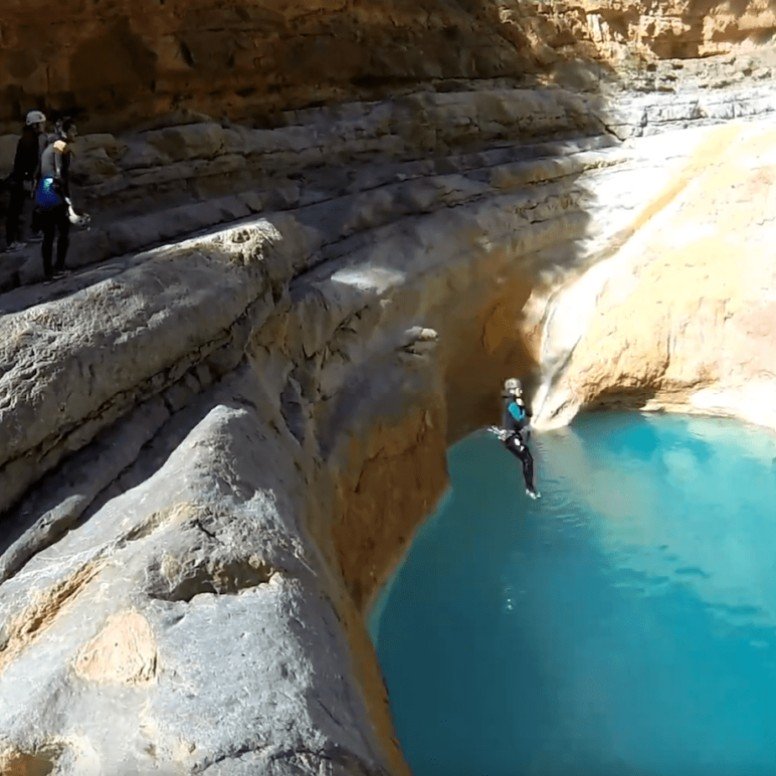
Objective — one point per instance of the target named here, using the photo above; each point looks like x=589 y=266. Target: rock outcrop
x=218 y=435
x=681 y=316
x=126 y=61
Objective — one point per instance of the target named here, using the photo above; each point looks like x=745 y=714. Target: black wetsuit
x=25 y=166
x=54 y=223
x=515 y=420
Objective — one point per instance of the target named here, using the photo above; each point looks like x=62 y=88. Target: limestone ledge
x=147 y=188
x=217 y=448
x=150 y=187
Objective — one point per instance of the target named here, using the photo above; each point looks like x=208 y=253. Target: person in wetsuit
x=22 y=179
x=53 y=197
x=515 y=431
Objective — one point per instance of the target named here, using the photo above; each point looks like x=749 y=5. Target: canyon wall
x=120 y=62
x=313 y=259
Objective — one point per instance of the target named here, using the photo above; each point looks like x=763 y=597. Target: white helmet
x=513 y=385
x=35 y=117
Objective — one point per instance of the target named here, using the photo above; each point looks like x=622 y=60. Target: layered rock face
x=127 y=60
x=218 y=435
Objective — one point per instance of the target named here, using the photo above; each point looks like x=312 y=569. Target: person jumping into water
x=514 y=431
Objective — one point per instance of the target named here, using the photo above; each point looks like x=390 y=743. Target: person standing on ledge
x=53 y=197
x=22 y=179
x=514 y=431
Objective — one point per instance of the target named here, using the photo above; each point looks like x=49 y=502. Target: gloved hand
x=77 y=219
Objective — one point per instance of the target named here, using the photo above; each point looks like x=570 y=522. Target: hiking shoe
x=15 y=246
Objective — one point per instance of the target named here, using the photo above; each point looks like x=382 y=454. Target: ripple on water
x=624 y=624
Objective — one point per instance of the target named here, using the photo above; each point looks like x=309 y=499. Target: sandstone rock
x=124 y=651
x=130 y=62
x=8 y=145
x=701 y=340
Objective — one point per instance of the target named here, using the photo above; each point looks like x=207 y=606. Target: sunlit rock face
x=681 y=315
x=124 y=61
x=322 y=236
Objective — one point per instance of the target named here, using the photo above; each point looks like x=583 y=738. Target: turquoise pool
x=624 y=625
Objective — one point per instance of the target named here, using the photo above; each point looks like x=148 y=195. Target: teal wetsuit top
x=516 y=411
x=515 y=416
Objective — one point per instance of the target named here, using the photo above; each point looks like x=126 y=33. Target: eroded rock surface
x=183 y=604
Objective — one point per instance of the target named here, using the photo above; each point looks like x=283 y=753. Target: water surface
x=625 y=624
